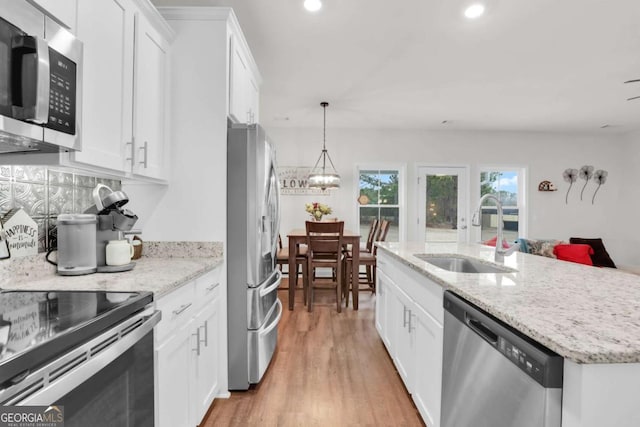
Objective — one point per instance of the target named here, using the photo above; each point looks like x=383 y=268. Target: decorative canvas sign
x=21 y=232
x=294 y=181
x=4 y=245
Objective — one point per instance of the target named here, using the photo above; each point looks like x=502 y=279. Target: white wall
x=544 y=155
x=193 y=206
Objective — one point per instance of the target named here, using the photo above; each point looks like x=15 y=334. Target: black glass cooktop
x=36 y=326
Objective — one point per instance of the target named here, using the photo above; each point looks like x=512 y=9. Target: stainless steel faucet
x=501 y=251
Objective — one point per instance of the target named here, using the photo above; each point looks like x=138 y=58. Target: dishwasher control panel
x=531 y=366
x=532 y=358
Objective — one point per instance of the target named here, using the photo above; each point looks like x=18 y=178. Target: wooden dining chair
x=324 y=250
x=367 y=259
x=282 y=258
x=373 y=231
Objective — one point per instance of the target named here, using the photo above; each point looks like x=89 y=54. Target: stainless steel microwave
x=40 y=82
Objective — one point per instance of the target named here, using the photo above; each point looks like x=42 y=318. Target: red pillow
x=492 y=242
x=574 y=253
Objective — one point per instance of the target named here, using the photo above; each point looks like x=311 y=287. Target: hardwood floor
x=330 y=369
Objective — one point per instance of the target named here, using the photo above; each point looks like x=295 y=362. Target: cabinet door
x=253 y=98
x=172 y=369
x=150 y=83
x=205 y=371
x=428 y=339
x=383 y=308
x=64 y=11
x=403 y=345
x=381 y=295
x=106 y=28
x=238 y=78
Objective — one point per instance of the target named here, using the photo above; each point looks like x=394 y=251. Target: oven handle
x=81 y=364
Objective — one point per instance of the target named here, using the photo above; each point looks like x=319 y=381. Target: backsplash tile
x=44 y=194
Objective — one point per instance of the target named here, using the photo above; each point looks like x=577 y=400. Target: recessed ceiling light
x=312 y=5
x=474 y=11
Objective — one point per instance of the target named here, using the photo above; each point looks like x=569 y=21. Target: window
x=508 y=185
x=379 y=197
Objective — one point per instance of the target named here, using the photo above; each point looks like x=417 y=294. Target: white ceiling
x=541 y=65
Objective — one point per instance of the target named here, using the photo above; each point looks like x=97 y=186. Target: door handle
x=145 y=147
x=411 y=327
x=404 y=316
x=197 y=335
x=206 y=333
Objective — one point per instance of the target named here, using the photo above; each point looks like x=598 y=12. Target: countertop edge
x=563 y=350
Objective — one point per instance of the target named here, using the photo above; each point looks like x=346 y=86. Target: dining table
x=298 y=236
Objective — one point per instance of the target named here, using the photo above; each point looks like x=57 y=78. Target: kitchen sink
x=460 y=264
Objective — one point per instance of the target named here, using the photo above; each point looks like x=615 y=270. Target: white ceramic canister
x=118 y=252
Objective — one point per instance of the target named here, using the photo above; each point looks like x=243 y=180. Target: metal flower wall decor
x=599 y=177
x=587 y=173
x=569 y=175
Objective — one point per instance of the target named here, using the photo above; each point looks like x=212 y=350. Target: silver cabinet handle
x=145 y=147
x=197 y=335
x=206 y=333
x=404 y=316
x=132 y=144
x=212 y=287
x=180 y=309
x=411 y=327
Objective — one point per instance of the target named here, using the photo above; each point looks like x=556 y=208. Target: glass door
x=442 y=207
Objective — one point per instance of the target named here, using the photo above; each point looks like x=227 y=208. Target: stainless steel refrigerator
x=253 y=223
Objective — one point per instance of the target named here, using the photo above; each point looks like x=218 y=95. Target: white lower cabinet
x=383 y=302
x=172 y=385
x=409 y=322
x=427 y=385
x=205 y=360
x=189 y=346
x=404 y=344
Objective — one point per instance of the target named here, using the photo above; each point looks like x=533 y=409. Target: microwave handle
x=39 y=111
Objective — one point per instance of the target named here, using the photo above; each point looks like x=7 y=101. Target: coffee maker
x=113 y=223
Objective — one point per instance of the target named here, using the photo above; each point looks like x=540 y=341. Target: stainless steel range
x=90 y=352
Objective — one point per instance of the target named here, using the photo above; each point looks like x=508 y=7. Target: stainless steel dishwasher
x=493 y=376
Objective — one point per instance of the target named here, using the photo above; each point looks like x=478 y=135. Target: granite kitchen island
x=588 y=315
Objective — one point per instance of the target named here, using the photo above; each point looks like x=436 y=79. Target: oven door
x=107 y=381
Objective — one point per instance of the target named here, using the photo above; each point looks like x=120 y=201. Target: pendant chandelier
x=320 y=177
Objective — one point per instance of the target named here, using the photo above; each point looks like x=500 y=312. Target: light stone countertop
x=585 y=314
x=163 y=267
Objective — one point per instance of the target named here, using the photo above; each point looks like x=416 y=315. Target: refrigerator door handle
x=273 y=324
x=275 y=285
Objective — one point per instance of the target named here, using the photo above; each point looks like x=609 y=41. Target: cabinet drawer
x=177 y=308
x=207 y=286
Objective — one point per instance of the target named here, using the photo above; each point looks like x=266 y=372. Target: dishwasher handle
x=481 y=329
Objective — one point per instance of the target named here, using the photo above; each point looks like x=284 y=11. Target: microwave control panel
x=62 y=93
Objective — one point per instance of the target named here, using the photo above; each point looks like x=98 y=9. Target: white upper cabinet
x=106 y=28
x=126 y=48
x=63 y=11
x=150 y=103
x=244 y=81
